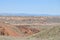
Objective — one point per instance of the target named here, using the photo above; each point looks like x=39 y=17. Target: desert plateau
x=29 y=27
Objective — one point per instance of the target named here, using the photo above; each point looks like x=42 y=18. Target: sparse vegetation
x=30 y=28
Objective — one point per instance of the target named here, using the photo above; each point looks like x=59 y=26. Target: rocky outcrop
x=25 y=29
x=13 y=30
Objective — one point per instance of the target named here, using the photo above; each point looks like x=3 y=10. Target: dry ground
x=30 y=28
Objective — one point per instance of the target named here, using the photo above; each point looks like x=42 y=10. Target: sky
x=30 y=6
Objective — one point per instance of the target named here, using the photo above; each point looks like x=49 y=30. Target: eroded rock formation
x=13 y=30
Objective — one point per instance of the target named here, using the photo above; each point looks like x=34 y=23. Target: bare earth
x=29 y=28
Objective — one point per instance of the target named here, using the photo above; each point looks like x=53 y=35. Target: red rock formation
x=26 y=30
x=10 y=30
x=6 y=30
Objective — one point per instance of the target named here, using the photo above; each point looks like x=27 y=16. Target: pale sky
x=30 y=6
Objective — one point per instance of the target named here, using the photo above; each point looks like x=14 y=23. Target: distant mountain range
x=25 y=14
